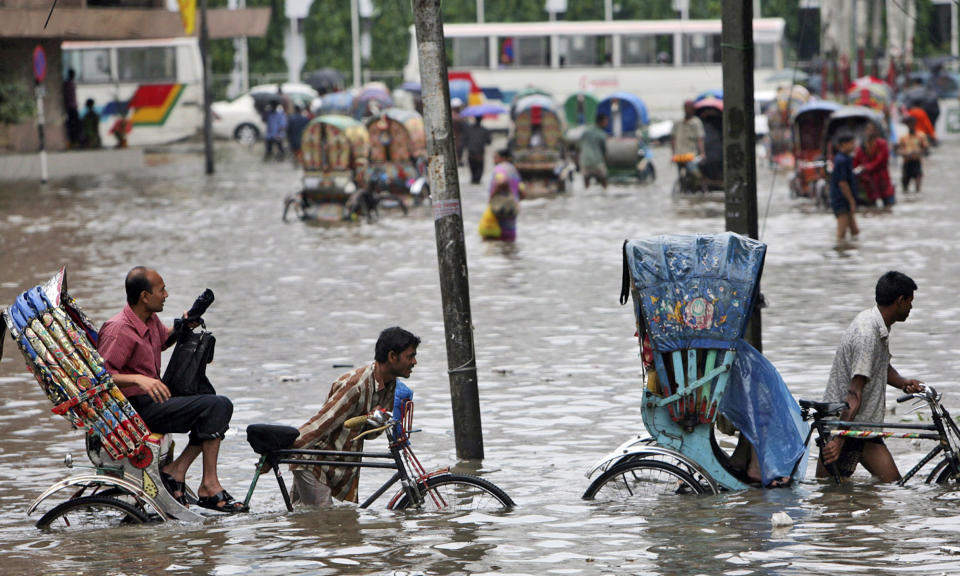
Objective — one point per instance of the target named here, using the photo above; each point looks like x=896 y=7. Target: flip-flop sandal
x=230 y=505
x=779 y=483
x=173 y=486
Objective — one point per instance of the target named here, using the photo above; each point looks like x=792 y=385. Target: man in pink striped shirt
x=354 y=394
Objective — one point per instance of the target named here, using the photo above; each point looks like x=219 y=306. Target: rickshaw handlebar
x=928 y=393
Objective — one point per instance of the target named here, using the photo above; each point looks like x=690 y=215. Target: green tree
x=266 y=54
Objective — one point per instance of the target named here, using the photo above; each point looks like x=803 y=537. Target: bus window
x=152 y=64
x=469 y=52
x=764 y=56
x=584 y=50
x=92 y=66
x=530 y=52
x=638 y=50
x=702 y=49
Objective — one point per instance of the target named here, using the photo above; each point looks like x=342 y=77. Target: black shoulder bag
x=186 y=373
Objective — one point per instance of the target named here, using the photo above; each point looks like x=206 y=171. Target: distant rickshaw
x=779 y=113
x=538 y=145
x=851 y=119
x=710 y=112
x=580 y=111
x=337 y=103
x=335 y=149
x=526 y=92
x=371 y=100
x=628 y=157
x=809 y=124
x=397 y=159
x=874 y=94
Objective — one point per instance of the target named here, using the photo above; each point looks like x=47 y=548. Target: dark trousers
x=476 y=168
x=204 y=416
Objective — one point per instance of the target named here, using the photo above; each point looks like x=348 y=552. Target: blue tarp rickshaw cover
x=633 y=111
x=698 y=291
x=694 y=291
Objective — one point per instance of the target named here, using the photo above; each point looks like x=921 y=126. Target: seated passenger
x=130 y=344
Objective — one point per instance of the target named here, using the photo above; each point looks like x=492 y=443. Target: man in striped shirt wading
x=354 y=394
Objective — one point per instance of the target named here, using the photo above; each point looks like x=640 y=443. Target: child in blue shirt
x=841 y=188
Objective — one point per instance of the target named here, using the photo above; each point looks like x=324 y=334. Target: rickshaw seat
x=265 y=438
x=827 y=408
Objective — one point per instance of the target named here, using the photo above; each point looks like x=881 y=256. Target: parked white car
x=243 y=117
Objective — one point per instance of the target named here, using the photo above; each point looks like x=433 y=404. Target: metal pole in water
x=739 y=133
x=40 y=91
x=207 y=118
x=448 y=222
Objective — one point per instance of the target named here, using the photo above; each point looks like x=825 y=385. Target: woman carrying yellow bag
x=499 y=221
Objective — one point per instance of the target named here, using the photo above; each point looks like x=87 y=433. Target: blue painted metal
x=633 y=111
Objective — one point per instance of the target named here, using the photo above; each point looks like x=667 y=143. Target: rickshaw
x=538 y=145
x=710 y=112
x=852 y=119
x=398 y=153
x=337 y=103
x=779 y=114
x=580 y=111
x=125 y=486
x=809 y=124
x=628 y=156
x=875 y=94
x=335 y=150
x=693 y=296
x=372 y=99
x=124 y=483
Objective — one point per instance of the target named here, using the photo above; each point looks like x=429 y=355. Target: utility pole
x=207 y=118
x=448 y=223
x=355 y=37
x=739 y=134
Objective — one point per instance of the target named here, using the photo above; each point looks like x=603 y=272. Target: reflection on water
x=558 y=369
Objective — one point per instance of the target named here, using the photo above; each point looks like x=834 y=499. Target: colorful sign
x=152 y=103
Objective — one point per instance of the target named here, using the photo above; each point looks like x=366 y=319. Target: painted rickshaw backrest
x=694 y=291
x=58 y=343
x=335 y=143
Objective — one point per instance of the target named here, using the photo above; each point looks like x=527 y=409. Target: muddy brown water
x=558 y=368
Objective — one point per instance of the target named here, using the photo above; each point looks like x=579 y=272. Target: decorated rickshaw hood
x=693 y=291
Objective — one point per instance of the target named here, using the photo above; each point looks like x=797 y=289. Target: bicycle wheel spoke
x=457 y=493
x=91 y=512
x=641 y=480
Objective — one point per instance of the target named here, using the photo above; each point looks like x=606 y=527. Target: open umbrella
x=483 y=110
x=325 y=80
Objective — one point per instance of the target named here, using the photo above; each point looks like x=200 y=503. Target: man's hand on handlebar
x=912 y=386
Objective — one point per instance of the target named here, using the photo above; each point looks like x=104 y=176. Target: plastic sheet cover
x=694 y=291
x=759 y=404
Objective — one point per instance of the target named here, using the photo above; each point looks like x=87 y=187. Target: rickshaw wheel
x=641 y=480
x=88 y=512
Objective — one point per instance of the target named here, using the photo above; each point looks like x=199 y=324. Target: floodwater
x=558 y=369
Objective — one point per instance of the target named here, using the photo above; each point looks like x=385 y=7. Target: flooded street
x=558 y=368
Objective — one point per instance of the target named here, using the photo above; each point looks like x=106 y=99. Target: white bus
x=156 y=85
x=661 y=61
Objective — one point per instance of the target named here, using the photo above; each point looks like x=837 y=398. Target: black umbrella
x=325 y=80
x=918 y=96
